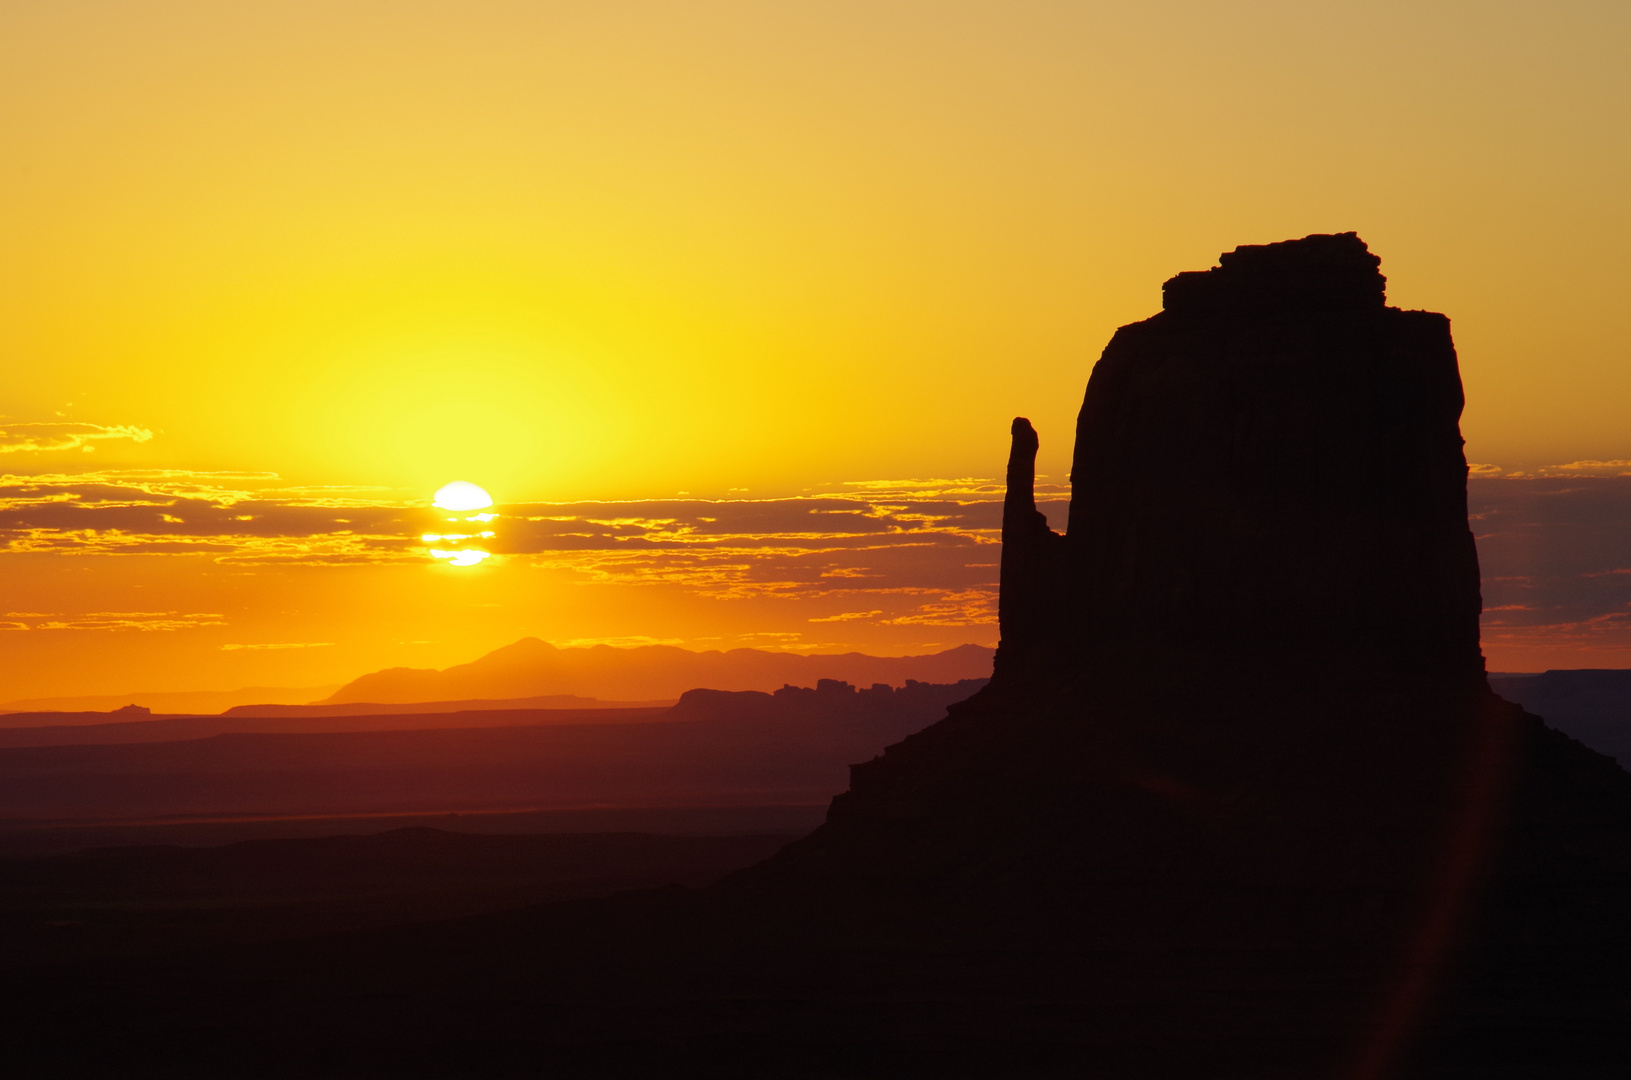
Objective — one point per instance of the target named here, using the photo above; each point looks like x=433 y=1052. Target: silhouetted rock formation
x=905 y=709
x=1239 y=713
x=530 y=668
x=1028 y=604
x=1233 y=805
x=1589 y=704
x=1268 y=471
x=714 y=748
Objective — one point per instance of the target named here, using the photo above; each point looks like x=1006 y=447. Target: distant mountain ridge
x=716 y=748
x=534 y=668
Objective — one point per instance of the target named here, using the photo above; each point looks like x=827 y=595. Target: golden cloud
x=113 y=620
x=280 y=645
x=37 y=438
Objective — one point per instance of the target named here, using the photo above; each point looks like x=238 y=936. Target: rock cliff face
x=1268 y=472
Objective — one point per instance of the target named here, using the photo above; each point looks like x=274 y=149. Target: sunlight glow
x=466 y=557
x=462 y=495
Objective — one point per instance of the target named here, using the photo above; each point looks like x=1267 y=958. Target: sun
x=461 y=497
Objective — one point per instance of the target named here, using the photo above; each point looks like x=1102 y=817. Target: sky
x=728 y=304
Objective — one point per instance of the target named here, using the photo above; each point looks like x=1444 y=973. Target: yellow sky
x=577 y=251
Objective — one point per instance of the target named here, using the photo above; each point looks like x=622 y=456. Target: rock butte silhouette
x=1238 y=801
x=530 y=667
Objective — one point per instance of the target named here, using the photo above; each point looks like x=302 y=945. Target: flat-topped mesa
x=1316 y=274
x=1269 y=471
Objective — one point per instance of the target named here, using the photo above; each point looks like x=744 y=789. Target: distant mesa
x=201 y=702
x=532 y=668
x=715 y=748
x=831 y=700
x=528 y=674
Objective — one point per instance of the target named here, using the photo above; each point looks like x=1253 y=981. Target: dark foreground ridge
x=1176 y=836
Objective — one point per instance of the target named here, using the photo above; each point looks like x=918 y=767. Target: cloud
x=890 y=551
x=967 y=487
x=34 y=438
x=1612 y=468
x=112 y=620
x=248 y=518
x=1554 y=554
x=1553 y=548
x=226 y=516
x=1584 y=467
x=971 y=607
x=280 y=645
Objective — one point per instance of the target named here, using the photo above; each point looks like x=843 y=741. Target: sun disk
x=462 y=495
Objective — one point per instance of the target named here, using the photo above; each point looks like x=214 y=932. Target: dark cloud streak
x=1555 y=549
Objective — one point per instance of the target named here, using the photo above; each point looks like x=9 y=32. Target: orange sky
x=314 y=256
